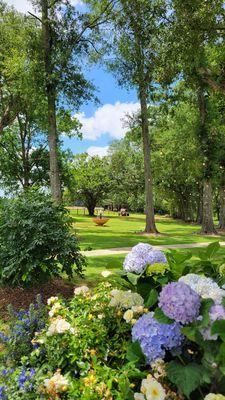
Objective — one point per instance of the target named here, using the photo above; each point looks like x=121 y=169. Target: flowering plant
x=163 y=338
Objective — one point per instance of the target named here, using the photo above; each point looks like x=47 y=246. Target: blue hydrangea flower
x=141 y=256
x=179 y=302
x=156 y=338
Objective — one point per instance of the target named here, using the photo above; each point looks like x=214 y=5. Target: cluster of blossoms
x=205 y=287
x=25 y=379
x=125 y=299
x=141 y=256
x=159 y=368
x=59 y=325
x=56 y=384
x=156 y=338
x=179 y=302
x=81 y=290
x=131 y=313
x=151 y=389
x=216 y=313
x=212 y=396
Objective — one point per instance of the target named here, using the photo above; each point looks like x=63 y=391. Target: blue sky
x=104 y=122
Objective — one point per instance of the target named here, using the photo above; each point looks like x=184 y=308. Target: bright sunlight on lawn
x=125 y=232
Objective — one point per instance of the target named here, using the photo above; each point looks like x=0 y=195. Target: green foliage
x=89 y=180
x=35 y=240
x=186 y=378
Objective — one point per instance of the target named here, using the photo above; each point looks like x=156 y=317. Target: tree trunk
x=222 y=208
x=91 y=210
x=207 y=218
x=207 y=210
x=51 y=99
x=150 y=226
x=199 y=210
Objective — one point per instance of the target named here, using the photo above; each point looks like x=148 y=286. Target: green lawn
x=114 y=263
x=125 y=232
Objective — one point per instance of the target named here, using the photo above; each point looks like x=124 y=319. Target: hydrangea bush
x=113 y=343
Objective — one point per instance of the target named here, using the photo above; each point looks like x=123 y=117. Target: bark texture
x=207 y=200
x=149 y=206
x=51 y=99
x=222 y=209
x=207 y=217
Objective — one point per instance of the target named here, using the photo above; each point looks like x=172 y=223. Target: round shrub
x=36 y=241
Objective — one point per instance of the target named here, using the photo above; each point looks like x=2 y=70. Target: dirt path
x=124 y=250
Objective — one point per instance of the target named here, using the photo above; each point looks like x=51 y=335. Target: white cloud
x=21 y=5
x=107 y=119
x=97 y=151
x=25 y=5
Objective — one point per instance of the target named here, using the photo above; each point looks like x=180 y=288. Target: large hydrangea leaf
x=187 y=378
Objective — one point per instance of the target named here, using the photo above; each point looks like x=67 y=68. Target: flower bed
x=155 y=331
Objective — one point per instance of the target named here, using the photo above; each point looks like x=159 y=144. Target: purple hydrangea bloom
x=216 y=313
x=156 y=338
x=133 y=263
x=156 y=257
x=141 y=256
x=142 y=249
x=179 y=302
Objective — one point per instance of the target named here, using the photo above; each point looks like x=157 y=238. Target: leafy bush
x=36 y=240
x=110 y=343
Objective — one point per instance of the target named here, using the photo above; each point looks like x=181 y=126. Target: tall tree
x=193 y=31
x=135 y=43
x=50 y=84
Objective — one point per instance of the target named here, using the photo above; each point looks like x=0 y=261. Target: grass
x=115 y=262
x=125 y=232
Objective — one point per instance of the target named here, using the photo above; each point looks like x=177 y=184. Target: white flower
x=106 y=273
x=158 y=367
x=128 y=315
x=52 y=300
x=57 y=383
x=137 y=309
x=55 y=308
x=81 y=290
x=152 y=389
x=101 y=316
x=139 y=396
x=125 y=299
x=205 y=287
x=59 y=325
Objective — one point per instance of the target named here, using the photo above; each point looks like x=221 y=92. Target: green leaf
x=161 y=317
x=192 y=334
x=206 y=304
x=218 y=327
x=212 y=249
x=152 y=298
x=135 y=354
x=133 y=278
x=186 y=378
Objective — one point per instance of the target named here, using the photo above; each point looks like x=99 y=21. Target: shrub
x=36 y=240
